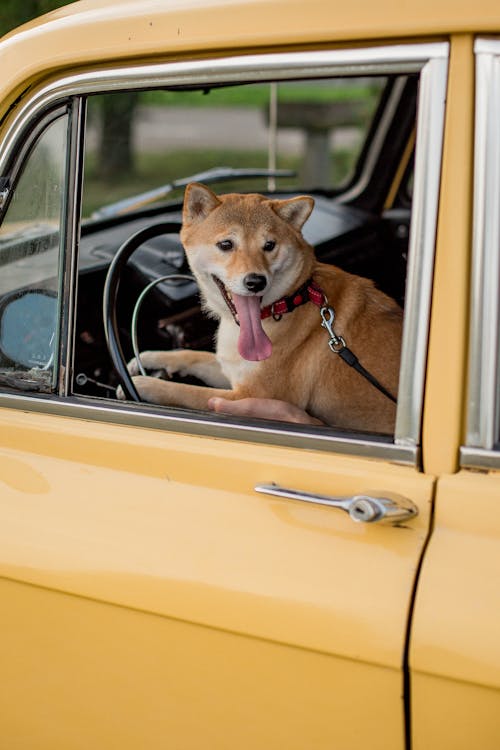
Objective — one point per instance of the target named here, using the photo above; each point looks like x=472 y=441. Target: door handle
x=386 y=508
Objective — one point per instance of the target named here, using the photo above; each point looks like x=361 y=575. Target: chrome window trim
x=175 y=420
x=380 y=60
x=431 y=61
x=483 y=365
x=425 y=203
x=71 y=230
x=477 y=458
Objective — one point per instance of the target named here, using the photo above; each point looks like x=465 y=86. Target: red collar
x=308 y=292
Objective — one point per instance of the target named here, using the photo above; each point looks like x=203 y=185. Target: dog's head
x=247 y=251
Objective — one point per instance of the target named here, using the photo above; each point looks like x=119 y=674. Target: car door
x=150 y=594
x=455 y=655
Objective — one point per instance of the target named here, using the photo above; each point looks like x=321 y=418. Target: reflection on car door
x=142 y=568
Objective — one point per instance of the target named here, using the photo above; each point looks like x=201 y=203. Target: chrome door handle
x=389 y=508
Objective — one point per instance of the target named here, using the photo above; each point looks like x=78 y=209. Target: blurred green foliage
x=155 y=169
x=257 y=95
x=16 y=12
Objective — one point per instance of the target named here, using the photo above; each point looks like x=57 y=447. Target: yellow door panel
x=456 y=624
x=91 y=675
x=170 y=525
x=453 y=714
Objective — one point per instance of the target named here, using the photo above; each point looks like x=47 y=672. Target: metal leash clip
x=338 y=346
x=336 y=343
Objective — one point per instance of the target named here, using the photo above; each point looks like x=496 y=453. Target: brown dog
x=260 y=278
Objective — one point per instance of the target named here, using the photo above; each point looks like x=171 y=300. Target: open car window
x=281 y=139
x=314 y=131
x=343 y=140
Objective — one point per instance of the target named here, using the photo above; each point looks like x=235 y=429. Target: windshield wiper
x=217 y=174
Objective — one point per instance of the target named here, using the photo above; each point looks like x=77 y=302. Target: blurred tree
x=117 y=111
x=15 y=12
x=116 y=154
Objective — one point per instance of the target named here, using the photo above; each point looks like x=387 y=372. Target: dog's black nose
x=255 y=282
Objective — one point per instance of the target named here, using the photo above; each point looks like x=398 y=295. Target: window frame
x=430 y=60
x=483 y=422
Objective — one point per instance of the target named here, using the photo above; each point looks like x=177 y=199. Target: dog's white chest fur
x=235 y=368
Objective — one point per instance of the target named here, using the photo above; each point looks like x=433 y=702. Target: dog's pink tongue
x=253 y=344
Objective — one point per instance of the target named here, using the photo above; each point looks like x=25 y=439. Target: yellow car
x=181 y=579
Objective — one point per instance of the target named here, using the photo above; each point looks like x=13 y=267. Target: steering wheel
x=110 y=296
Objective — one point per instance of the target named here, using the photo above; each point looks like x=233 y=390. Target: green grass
x=155 y=169
x=257 y=95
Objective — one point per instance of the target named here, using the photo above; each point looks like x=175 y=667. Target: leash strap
x=338 y=346
x=354 y=362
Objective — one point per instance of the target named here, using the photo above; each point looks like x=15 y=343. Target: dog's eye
x=269 y=245
x=225 y=245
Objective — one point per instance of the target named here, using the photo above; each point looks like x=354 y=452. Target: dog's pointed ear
x=294 y=211
x=199 y=201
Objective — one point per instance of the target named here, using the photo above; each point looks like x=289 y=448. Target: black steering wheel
x=110 y=296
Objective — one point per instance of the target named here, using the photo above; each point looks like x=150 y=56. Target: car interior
x=361 y=225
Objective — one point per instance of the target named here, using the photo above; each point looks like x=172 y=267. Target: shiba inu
x=259 y=277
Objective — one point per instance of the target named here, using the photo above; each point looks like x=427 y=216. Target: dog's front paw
x=146 y=387
x=152 y=390
x=157 y=364
x=149 y=361
x=133 y=366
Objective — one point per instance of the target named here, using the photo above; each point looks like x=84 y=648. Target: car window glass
x=30 y=239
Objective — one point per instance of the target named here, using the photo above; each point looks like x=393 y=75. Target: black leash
x=338 y=346
x=353 y=361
